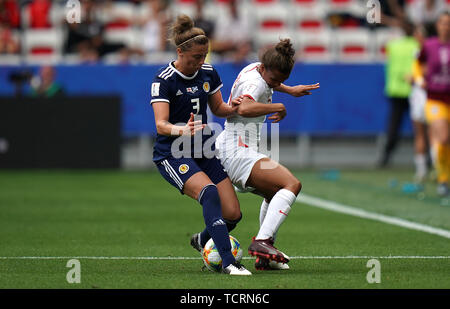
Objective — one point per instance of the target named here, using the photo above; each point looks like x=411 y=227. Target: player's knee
x=231 y=223
x=446 y=138
x=234 y=219
x=209 y=195
x=234 y=215
x=295 y=186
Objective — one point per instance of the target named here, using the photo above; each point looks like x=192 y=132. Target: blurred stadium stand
x=345 y=117
x=345 y=40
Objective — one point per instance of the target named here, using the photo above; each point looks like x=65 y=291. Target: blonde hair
x=184 y=34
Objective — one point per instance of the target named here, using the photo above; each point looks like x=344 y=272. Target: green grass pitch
x=132 y=230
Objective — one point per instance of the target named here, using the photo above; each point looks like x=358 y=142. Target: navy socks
x=231 y=224
x=215 y=224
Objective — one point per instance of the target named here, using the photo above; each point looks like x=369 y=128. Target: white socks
x=263 y=211
x=420 y=162
x=272 y=215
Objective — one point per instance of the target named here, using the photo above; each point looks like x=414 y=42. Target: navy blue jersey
x=185 y=95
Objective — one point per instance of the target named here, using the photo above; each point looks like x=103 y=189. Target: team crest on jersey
x=192 y=89
x=183 y=169
x=206 y=86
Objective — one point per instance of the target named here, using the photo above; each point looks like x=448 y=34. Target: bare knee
x=294 y=186
x=441 y=132
x=443 y=137
x=231 y=211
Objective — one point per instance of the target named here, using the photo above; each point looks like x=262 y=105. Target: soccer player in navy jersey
x=180 y=94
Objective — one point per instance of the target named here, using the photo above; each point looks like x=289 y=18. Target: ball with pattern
x=211 y=256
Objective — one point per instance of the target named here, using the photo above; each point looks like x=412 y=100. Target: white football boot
x=236 y=269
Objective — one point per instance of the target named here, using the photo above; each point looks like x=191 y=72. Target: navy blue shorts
x=178 y=171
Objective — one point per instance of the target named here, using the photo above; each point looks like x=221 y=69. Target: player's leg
x=230 y=205
x=263 y=263
x=192 y=181
x=441 y=148
x=438 y=115
x=417 y=100
x=230 y=211
x=280 y=187
x=420 y=151
x=200 y=187
x=263 y=210
x=395 y=119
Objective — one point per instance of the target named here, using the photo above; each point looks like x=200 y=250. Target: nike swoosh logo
x=283 y=213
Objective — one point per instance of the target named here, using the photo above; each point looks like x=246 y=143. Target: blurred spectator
x=345 y=20
x=86 y=38
x=9 y=13
x=435 y=66
x=201 y=21
x=417 y=100
x=426 y=12
x=393 y=12
x=8 y=44
x=400 y=56
x=231 y=38
x=155 y=25
x=44 y=85
x=39 y=14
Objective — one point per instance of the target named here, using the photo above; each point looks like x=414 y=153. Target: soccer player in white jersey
x=250 y=170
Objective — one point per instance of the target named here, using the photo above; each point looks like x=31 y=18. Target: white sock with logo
x=277 y=211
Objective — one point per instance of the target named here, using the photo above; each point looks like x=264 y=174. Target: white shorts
x=417 y=100
x=238 y=161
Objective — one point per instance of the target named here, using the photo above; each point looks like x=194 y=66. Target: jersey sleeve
x=216 y=82
x=159 y=91
x=252 y=89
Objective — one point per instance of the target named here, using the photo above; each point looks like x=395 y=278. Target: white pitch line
x=199 y=258
x=349 y=210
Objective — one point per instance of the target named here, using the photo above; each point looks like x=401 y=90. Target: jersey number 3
x=196 y=105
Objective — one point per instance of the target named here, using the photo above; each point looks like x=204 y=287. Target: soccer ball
x=211 y=256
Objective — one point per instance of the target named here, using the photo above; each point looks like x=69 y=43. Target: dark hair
x=408 y=27
x=279 y=57
x=444 y=13
x=184 y=34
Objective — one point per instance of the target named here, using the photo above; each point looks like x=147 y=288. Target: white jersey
x=238 y=144
x=249 y=83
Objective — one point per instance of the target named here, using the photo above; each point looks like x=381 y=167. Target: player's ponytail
x=280 y=57
x=185 y=34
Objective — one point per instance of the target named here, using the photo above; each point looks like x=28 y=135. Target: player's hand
x=278 y=116
x=192 y=126
x=237 y=101
x=235 y=104
x=302 y=90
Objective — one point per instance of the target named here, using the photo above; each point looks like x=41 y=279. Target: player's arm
x=420 y=68
x=417 y=73
x=164 y=127
x=250 y=108
x=220 y=108
x=297 y=91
